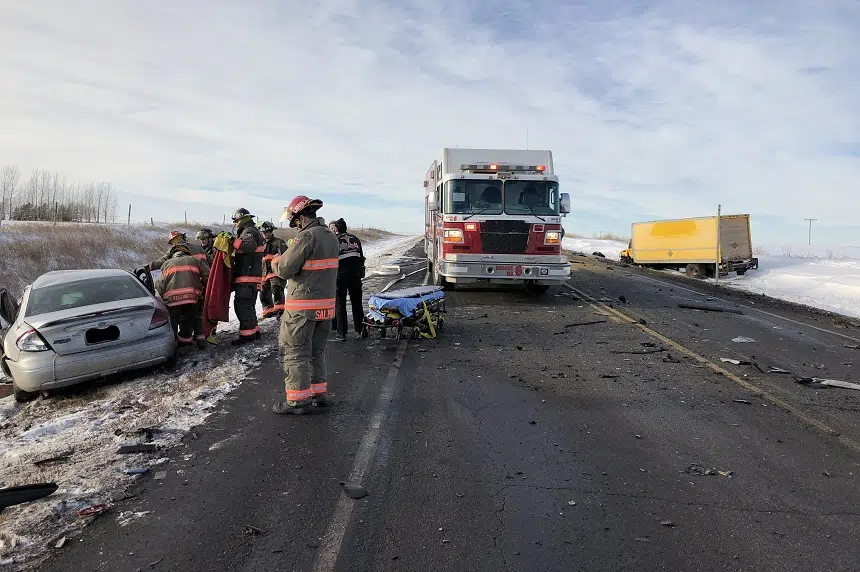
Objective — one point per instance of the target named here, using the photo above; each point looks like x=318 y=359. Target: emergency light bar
x=496 y=167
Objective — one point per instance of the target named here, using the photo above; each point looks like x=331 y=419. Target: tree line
x=49 y=196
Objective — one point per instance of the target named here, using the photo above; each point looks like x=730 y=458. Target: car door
x=145 y=276
x=8 y=310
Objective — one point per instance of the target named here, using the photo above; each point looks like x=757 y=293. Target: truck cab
x=494 y=216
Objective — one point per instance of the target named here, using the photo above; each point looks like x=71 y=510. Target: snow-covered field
x=85 y=429
x=823 y=277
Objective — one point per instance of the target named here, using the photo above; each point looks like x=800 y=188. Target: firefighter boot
x=284 y=408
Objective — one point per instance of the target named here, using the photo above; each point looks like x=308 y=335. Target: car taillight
x=160 y=317
x=31 y=341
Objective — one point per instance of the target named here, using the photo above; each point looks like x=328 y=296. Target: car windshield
x=82 y=293
x=473 y=197
x=531 y=197
x=490 y=197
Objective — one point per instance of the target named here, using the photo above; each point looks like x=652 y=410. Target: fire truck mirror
x=565 y=203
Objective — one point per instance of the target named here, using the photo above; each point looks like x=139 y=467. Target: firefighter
x=206 y=238
x=247 y=275
x=350 y=271
x=177 y=237
x=272 y=290
x=310 y=265
x=181 y=286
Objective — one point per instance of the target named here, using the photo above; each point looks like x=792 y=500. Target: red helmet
x=174 y=234
x=297 y=205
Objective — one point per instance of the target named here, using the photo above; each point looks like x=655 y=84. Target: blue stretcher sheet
x=407 y=300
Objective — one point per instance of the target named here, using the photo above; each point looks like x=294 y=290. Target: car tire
x=536 y=289
x=22 y=396
x=171 y=362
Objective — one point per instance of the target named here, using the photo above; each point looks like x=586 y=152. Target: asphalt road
x=527 y=437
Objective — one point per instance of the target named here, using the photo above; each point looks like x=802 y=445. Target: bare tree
x=8 y=187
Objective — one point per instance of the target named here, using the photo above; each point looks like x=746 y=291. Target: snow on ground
x=89 y=424
x=609 y=248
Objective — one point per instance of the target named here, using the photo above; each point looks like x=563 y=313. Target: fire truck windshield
x=491 y=197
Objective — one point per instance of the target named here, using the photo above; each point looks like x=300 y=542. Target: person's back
x=183 y=279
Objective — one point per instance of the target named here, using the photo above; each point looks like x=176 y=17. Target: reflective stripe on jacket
x=182 y=280
x=310 y=264
x=272 y=249
x=248 y=257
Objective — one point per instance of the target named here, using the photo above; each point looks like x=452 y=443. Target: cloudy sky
x=652 y=109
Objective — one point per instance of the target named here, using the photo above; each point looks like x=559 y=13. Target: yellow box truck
x=691 y=244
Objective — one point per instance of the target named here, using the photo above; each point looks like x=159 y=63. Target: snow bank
x=88 y=427
x=609 y=248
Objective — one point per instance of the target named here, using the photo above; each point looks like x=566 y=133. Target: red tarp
x=216 y=305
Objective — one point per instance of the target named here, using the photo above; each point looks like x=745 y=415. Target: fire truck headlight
x=552 y=237
x=453 y=235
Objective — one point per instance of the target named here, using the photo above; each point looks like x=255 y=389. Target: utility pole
x=717 y=268
x=527 y=138
x=129 y=215
x=811 y=220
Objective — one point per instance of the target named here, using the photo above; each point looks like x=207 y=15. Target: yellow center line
x=823 y=427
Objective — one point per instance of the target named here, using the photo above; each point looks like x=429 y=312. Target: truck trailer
x=691 y=244
x=494 y=216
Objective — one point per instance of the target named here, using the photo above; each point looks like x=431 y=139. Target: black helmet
x=204 y=233
x=267 y=227
x=240 y=214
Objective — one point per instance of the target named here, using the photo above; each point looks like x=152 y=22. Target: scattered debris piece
x=774 y=369
x=598 y=254
x=60 y=458
x=649 y=344
x=743 y=401
x=706 y=308
x=826 y=473
x=532 y=422
x=60 y=543
x=642 y=321
x=355 y=491
x=253 y=530
x=643 y=539
x=671 y=359
x=698 y=469
x=667 y=523
x=609 y=376
x=853 y=346
x=622 y=299
x=137 y=471
x=93 y=510
x=589 y=323
x=138 y=448
x=735 y=361
x=571 y=502
x=156 y=563
x=819 y=382
x=743 y=340
x=160 y=475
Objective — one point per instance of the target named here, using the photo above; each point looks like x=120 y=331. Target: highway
x=593 y=428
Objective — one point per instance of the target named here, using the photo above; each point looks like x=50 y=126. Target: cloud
x=651 y=111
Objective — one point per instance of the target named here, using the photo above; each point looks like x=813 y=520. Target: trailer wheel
x=742 y=271
x=696 y=271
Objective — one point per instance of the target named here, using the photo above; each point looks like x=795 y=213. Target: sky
x=651 y=109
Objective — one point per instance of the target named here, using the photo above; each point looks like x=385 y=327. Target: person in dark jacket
x=247 y=275
x=177 y=237
x=350 y=271
x=206 y=238
x=181 y=286
x=272 y=291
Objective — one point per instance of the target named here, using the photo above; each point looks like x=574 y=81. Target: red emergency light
x=540 y=168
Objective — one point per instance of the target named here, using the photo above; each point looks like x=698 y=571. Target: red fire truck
x=494 y=216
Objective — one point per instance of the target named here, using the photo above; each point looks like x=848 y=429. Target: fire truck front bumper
x=505 y=269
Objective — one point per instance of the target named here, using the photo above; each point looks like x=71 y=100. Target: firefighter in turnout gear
x=310 y=267
x=247 y=275
x=177 y=237
x=272 y=290
x=181 y=286
x=349 y=274
x=206 y=238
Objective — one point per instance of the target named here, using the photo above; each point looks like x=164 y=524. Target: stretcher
x=417 y=312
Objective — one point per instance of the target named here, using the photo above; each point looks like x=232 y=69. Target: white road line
x=673 y=284
x=333 y=539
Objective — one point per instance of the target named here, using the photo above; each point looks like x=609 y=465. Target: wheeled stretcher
x=418 y=312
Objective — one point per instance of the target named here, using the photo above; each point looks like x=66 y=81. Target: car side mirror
x=565 y=203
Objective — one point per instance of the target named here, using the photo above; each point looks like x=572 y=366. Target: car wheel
x=22 y=396
x=536 y=289
x=171 y=362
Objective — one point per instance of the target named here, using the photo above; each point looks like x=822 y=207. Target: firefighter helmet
x=241 y=214
x=175 y=237
x=204 y=233
x=267 y=227
x=299 y=205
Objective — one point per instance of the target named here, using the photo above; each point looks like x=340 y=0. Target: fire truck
x=494 y=216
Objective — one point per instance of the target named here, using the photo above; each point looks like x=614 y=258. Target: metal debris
x=698 y=469
x=253 y=530
x=706 y=308
x=819 y=382
x=589 y=323
x=355 y=491
x=743 y=340
x=735 y=361
x=742 y=401
x=137 y=448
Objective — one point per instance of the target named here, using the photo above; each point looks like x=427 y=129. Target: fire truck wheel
x=536 y=289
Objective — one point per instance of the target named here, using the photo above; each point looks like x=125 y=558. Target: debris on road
x=707 y=308
x=818 y=382
x=136 y=471
x=92 y=510
x=667 y=523
x=160 y=475
x=253 y=530
x=137 y=448
x=354 y=491
x=735 y=361
x=699 y=469
x=60 y=543
x=743 y=401
x=59 y=458
x=671 y=359
x=609 y=376
x=640 y=352
x=589 y=323
x=743 y=340
x=853 y=346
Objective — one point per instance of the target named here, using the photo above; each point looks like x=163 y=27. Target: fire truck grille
x=504 y=236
